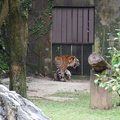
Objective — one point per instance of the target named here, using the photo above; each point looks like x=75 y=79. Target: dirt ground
x=44 y=87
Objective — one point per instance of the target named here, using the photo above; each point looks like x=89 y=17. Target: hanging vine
x=43 y=24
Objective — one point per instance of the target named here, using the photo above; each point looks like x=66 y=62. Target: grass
x=78 y=109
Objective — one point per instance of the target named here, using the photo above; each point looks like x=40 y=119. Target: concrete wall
x=39 y=50
x=107 y=17
x=82 y=3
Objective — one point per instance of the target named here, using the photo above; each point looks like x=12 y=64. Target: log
x=99 y=97
x=14 y=107
x=98 y=63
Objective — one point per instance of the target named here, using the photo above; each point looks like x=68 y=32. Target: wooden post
x=99 y=97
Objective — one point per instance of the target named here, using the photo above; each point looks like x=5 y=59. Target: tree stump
x=99 y=97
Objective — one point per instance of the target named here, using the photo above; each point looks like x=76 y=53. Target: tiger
x=62 y=63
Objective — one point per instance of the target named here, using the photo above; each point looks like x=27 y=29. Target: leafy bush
x=110 y=79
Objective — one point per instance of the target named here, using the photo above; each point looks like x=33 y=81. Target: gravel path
x=45 y=87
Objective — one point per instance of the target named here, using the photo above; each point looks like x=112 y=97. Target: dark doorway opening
x=80 y=51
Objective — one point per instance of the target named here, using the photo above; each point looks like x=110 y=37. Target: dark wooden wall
x=73 y=25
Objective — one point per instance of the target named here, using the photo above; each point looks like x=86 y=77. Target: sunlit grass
x=77 y=109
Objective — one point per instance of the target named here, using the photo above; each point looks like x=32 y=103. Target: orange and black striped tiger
x=62 y=63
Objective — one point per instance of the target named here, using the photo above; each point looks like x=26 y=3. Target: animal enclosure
x=73 y=34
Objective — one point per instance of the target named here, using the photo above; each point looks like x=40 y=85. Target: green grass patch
x=78 y=109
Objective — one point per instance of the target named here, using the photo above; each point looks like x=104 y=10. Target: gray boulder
x=14 y=107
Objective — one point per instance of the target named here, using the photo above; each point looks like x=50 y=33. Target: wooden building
x=73 y=32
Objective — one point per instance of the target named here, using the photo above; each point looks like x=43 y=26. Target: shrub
x=110 y=80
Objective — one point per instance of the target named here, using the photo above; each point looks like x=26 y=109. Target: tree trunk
x=18 y=46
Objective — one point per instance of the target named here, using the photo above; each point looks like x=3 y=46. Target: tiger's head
x=73 y=62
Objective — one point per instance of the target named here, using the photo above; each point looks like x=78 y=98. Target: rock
x=3 y=89
x=98 y=63
x=14 y=107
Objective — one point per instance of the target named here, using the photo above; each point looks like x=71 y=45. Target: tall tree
x=18 y=16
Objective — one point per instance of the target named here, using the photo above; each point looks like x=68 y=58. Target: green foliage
x=3 y=56
x=25 y=6
x=26 y=3
x=110 y=79
x=21 y=7
x=43 y=24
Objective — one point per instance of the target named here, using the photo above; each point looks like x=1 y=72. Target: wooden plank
x=69 y=25
x=87 y=50
x=64 y=26
x=85 y=25
x=82 y=66
x=58 y=25
x=80 y=26
x=91 y=25
x=54 y=26
x=74 y=26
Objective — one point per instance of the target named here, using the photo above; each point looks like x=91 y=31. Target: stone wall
x=39 y=52
x=107 y=17
x=82 y=3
